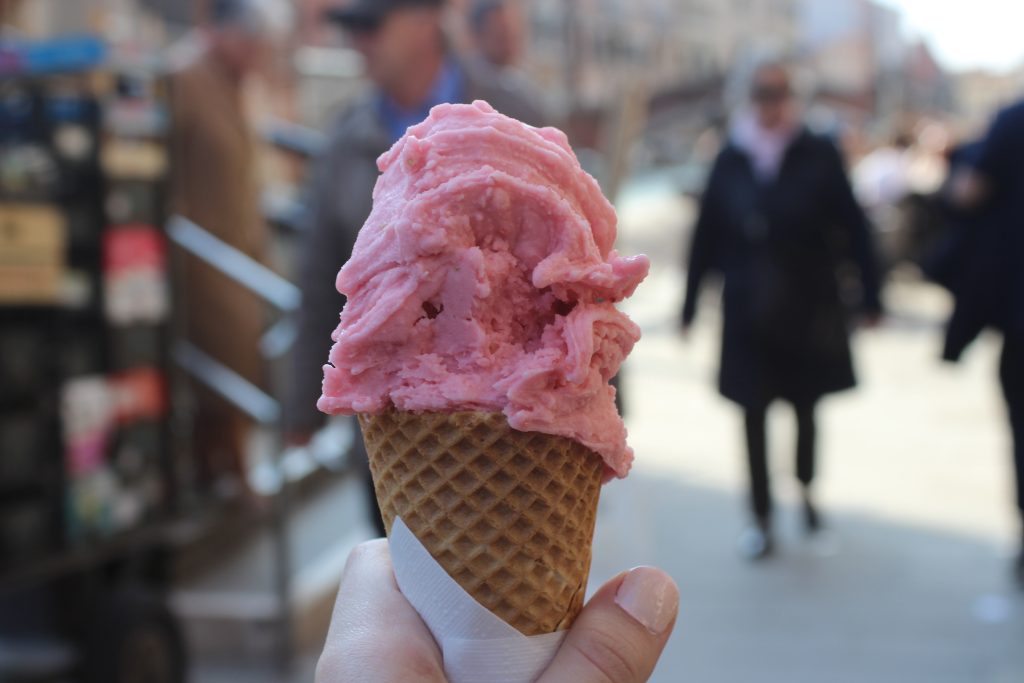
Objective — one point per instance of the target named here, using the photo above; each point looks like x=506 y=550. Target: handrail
x=279 y=339
x=224 y=381
x=295 y=138
x=248 y=398
x=244 y=270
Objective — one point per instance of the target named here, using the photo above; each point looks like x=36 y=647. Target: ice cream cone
x=508 y=514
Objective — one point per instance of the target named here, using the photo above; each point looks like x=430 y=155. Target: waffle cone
x=509 y=515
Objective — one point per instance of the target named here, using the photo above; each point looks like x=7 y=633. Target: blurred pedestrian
x=215 y=185
x=411 y=70
x=10 y=15
x=777 y=221
x=986 y=271
x=498 y=32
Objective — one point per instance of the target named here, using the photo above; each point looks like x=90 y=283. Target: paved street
x=909 y=583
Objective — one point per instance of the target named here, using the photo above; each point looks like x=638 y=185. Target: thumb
x=620 y=634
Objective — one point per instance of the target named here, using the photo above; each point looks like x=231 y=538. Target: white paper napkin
x=478 y=646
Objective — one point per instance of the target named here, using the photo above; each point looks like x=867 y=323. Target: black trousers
x=757 y=454
x=1011 y=376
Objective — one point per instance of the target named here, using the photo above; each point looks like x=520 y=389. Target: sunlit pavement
x=909 y=582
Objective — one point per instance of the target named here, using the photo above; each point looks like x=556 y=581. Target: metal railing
x=263 y=408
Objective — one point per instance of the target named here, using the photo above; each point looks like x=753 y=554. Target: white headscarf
x=766 y=148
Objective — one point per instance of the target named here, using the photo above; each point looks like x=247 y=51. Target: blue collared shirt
x=450 y=86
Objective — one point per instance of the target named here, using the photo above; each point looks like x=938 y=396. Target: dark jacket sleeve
x=703 y=245
x=854 y=221
x=328 y=245
x=508 y=92
x=997 y=157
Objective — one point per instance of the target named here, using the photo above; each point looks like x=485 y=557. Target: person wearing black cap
x=411 y=70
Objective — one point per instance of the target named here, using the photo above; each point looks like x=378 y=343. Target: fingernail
x=650 y=597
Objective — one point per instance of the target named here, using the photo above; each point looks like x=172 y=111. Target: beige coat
x=215 y=186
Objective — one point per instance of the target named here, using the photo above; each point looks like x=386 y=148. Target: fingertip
x=621 y=632
x=651 y=597
x=376 y=546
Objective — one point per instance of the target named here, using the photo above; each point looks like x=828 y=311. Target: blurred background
x=181 y=180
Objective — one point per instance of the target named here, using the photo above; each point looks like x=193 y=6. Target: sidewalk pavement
x=910 y=581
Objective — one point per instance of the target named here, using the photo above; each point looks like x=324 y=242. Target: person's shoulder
x=729 y=153
x=724 y=165
x=1015 y=110
x=822 y=145
x=188 y=79
x=187 y=75
x=816 y=139
x=507 y=90
x=350 y=116
x=1010 y=118
x=357 y=125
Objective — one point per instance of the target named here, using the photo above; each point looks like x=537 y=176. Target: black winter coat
x=780 y=247
x=982 y=264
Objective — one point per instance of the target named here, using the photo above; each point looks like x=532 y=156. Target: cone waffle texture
x=509 y=515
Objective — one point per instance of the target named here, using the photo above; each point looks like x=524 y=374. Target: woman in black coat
x=778 y=221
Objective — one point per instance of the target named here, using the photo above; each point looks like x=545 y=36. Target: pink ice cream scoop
x=485 y=280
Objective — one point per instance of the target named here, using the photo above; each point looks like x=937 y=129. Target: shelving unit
x=89 y=471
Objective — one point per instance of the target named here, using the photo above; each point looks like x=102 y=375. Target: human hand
x=377 y=637
x=968 y=189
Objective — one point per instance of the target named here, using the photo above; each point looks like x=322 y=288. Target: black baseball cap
x=369 y=14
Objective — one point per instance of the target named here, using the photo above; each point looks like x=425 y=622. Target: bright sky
x=968 y=33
